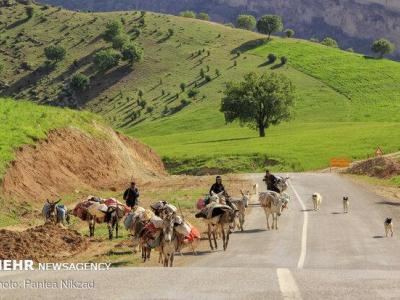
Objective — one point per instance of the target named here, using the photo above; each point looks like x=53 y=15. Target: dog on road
x=346 y=204
x=388 y=226
x=317 y=199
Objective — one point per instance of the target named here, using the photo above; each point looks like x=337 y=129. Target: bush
x=29 y=11
x=382 y=47
x=247 y=22
x=217 y=72
x=207 y=78
x=55 y=53
x=203 y=16
x=271 y=58
x=119 y=41
x=149 y=109
x=193 y=93
x=132 y=53
x=80 y=82
x=289 y=33
x=113 y=29
x=106 y=59
x=202 y=73
x=284 y=60
x=170 y=32
x=182 y=86
x=188 y=14
x=330 y=42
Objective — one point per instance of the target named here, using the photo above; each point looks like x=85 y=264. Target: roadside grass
x=294 y=146
x=24 y=123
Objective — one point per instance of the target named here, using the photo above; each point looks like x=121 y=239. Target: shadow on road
x=336 y=213
x=198 y=253
x=250 y=231
x=306 y=210
x=389 y=203
x=378 y=237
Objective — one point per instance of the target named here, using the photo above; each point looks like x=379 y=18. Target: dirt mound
x=69 y=160
x=43 y=243
x=381 y=167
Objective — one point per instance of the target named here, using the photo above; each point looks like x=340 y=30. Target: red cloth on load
x=193 y=235
x=113 y=203
x=80 y=210
x=201 y=204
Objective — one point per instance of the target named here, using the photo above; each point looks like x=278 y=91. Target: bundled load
x=61 y=211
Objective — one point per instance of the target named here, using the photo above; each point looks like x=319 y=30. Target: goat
x=255 y=189
x=388 y=224
x=317 y=199
x=345 y=204
x=272 y=204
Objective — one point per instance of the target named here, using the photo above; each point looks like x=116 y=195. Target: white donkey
x=272 y=204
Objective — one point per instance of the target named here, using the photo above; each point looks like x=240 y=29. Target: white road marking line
x=300 y=263
x=287 y=284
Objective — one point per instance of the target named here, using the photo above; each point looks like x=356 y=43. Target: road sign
x=339 y=162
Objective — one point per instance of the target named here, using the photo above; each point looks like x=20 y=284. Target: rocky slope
x=355 y=23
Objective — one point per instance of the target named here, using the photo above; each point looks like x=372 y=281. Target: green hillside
x=346 y=104
x=24 y=123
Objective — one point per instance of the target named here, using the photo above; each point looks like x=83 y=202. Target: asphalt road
x=313 y=255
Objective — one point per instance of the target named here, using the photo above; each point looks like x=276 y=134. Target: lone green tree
x=269 y=24
x=79 y=82
x=54 y=53
x=259 y=101
x=132 y=53
x=247 y=22
x=106 y=59
x=382 y=47
x=113 y=29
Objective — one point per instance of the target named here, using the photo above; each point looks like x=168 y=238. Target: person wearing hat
x=131 y=195
x=218 y=187
x=271 y=181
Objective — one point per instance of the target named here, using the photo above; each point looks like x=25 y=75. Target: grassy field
x=346 y=104
x=23 y=122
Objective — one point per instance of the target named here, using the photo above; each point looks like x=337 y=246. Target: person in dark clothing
x=131 y=195
x=218 y=187
x=271 y=181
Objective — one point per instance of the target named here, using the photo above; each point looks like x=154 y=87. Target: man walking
x=131 y=195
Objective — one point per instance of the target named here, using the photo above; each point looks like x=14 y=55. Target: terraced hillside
x=347 y=104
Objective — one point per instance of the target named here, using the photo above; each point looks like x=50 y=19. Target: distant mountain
x=354 y=23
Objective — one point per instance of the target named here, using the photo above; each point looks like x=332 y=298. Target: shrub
x=170 y=32
x=149 y=109
x=119 y=41
x=55 y=53
x=246 y=22
x=106 y=59
x=271 y=58
x=203 y=16
x=113 y=29
x=29 y=11
x=284 y=60
x=330 y=42
x=188 y=14
x=193 y=93
x=79 y=82
x=202 y=73
x=132 y=53
x=207 y=78
x=217 y=72
x=182 y=86
x=289 y=33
